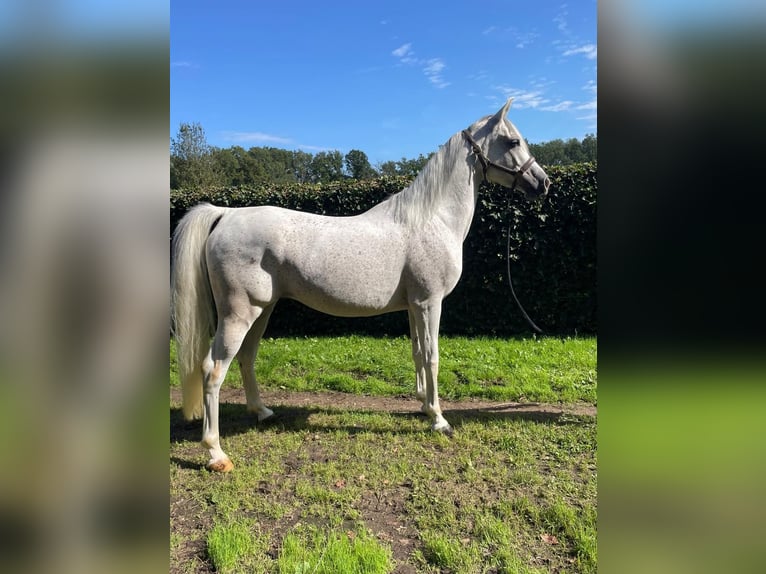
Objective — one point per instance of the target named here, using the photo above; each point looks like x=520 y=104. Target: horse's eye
x=514 y=142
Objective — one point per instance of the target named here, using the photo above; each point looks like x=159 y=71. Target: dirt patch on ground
x=336 y=400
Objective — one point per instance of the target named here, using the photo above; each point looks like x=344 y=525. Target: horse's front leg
x=427 y=316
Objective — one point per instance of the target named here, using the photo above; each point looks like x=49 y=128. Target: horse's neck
x=453 y=186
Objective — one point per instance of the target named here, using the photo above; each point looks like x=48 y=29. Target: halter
x=486 y=163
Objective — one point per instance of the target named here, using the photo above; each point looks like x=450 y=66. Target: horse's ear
x=503 y=111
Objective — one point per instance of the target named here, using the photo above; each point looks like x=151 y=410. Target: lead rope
x=510 y=282
x=485 y=164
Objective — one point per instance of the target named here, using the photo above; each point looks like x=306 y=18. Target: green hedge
x=553 y=254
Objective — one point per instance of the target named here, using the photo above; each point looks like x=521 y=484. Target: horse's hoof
x=443 y=428
x=264 y=414
x=224 y=465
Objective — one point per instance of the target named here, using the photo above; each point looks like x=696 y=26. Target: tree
x=192 y=163
x=358 y=166
x=404 y=166
x=573 y=151
x=589 y=147
x=228 y=164
x=195 y=164
x=301 y=164
x=413 y=166
x=549 y=153
x=560 y=152
x=327 y=166
x=387 y=168
x=271 y=164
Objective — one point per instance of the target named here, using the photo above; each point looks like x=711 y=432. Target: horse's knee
x=215 y=377
x=207 y=366
x=432 y=363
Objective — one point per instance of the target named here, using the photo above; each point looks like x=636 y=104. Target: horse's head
x=504 y=156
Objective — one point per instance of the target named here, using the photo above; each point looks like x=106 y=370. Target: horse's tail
x=193 y=314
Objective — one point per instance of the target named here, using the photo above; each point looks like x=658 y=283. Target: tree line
x=196 y=164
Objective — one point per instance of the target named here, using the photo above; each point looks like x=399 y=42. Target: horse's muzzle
x=534 y=183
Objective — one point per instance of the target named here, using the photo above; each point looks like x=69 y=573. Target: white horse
x=404 y=253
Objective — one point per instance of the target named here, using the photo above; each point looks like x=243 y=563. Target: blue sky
x=393 y=79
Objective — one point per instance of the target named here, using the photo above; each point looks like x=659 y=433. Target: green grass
x=312 y=551
x=545 y=369
x=322 y=489
x=232 y=547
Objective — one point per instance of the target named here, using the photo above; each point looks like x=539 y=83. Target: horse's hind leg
x=417 y=358
x=229 y=335
x=246 y=358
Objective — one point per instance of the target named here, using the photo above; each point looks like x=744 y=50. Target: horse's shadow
x=234 y=419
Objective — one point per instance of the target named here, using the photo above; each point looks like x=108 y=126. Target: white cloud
x=255 y=137
x=433 y=71
x=520 y=39
x=592 y=120
x=561 y=19
x=523 y=99
x=314 y=148
x=560 y=107
x=263 y=139
x=591 y=106
x=183 y=64
x=402 y=50
x=541 y=83
x=589 y=51
x=432 y=68
x=591 y=87
x=479 y=76
x=524 y=39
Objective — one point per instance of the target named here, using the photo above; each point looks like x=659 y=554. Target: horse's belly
x=347 y=291
x=344 y=308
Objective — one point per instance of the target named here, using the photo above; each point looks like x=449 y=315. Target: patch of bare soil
x=336 y=400
x=193 y=525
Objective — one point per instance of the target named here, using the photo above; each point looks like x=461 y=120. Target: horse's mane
x=414 y=205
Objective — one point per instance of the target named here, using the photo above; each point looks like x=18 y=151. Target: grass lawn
x=371 y=490
x=545 y=369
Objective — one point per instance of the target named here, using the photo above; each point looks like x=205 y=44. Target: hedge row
x=552 y=246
